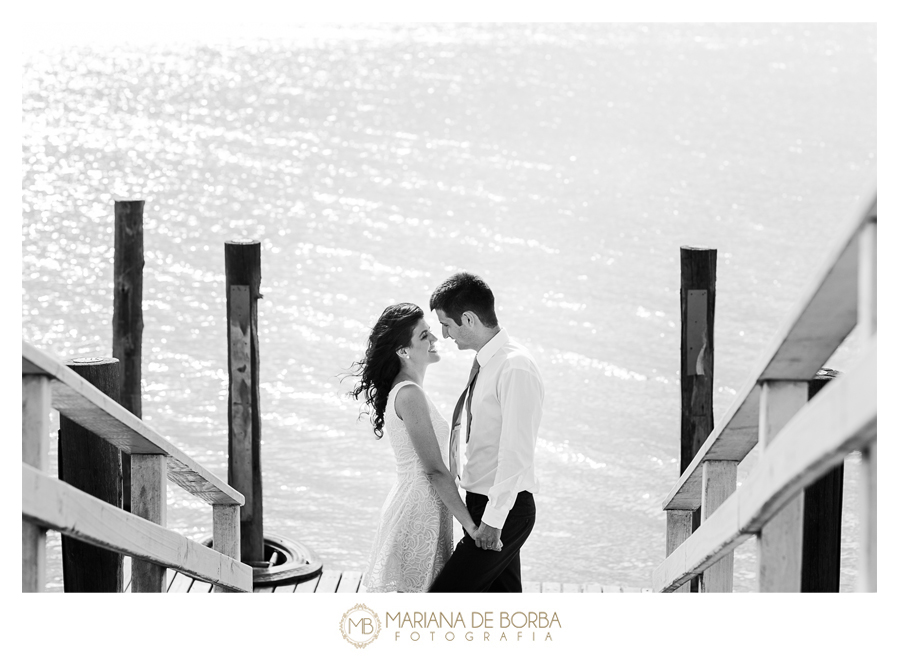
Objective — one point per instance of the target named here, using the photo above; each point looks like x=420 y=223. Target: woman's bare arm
x=412 y=407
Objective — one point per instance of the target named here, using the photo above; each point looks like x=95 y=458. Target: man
x=502 y=413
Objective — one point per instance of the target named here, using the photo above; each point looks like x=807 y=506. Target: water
x=565 y=163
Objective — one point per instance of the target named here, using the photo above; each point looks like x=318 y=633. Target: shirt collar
x=490 y=348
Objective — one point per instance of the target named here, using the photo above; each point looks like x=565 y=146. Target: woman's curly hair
x=380 y=365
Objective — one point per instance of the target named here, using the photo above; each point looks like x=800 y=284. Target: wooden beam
x=818 y=324
x=698 y=312
x=679 y=526
x=35 y=451
x=349 y=582
x=148 y=501
x=328 y=582
x=867 y=578
x=719 y=482
x=822 y=507
x=227 y=533
x=868 y=279
x=780 y=543
x=59 y=506
x=242 y=279
x=83 y=404
x=128 y=314
x=839 y=420
x=95 y=467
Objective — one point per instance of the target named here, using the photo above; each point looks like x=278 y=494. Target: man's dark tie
x=457 y=417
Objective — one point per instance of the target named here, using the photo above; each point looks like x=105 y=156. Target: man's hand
x=487 y=537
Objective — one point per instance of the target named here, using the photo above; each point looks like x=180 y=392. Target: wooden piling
x=822 y=502
x=128 y=315
x=698 y=312
x=242 y=278
x=92 y=465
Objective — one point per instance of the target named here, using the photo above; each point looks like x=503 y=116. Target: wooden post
x=679 y=525
x=92 y=465
x=148 y=502
x=781 y=540
x=822 y=501
x=35 y=448
x=698 y=312
x=227 y=533
x=128 y=315
x=242 y=278
x=867 y=579
x=719 y=482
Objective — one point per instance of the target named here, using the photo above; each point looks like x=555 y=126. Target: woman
x=415 y=531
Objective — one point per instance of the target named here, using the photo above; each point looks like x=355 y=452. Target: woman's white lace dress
x=415 y=532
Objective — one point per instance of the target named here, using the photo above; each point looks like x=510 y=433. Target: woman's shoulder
x=408 y=395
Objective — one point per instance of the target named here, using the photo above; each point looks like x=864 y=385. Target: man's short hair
x=463 y=292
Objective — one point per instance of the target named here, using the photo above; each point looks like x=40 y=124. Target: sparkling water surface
x=565 y=163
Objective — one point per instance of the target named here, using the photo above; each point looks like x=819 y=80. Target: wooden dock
x=332 y=581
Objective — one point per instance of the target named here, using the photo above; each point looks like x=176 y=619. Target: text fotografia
x=479 y=626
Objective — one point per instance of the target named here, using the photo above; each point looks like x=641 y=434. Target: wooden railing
x=50 y=503
x=800 y=439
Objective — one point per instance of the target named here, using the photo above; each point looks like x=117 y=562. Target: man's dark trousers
x=472 y=569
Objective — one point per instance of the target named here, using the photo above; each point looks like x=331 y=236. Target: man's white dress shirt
x=506 y=414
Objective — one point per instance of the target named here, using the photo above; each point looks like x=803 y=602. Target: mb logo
x=360 y=626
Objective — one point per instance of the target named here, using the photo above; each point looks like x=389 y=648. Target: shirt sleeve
x=521 y=395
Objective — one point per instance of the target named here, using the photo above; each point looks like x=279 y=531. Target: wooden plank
x=126 y=569
x=83 y=404
x=679 y=526
x=780 y=545
x=148 y=501
x=227 y=533
x=593 y=588
x=242 y=277
x=285 y=589
x=817 y=325
x=822 y=508
x=349 y=582
x=780 y=549
x=611 y=589
x=719 y=482
x=698 y=312
x=328 y=582
x=35 y=450
x=180 y=584
x=868 y=279
x=572 y=588
x=551 y=588
x=57 y=505
x=840 y=419
x=35 y=420
x=308 y=586
x=867 y=577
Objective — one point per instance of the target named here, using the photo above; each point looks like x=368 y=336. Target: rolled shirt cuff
x=494 y=517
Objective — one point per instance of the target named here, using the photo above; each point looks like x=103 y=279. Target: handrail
x=800 y=440
x=818 y=324
x=84 y=404
x=842 y=418
x=50 y=503
x=53 y=504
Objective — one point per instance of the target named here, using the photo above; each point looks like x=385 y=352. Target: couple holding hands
x=495 y=420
